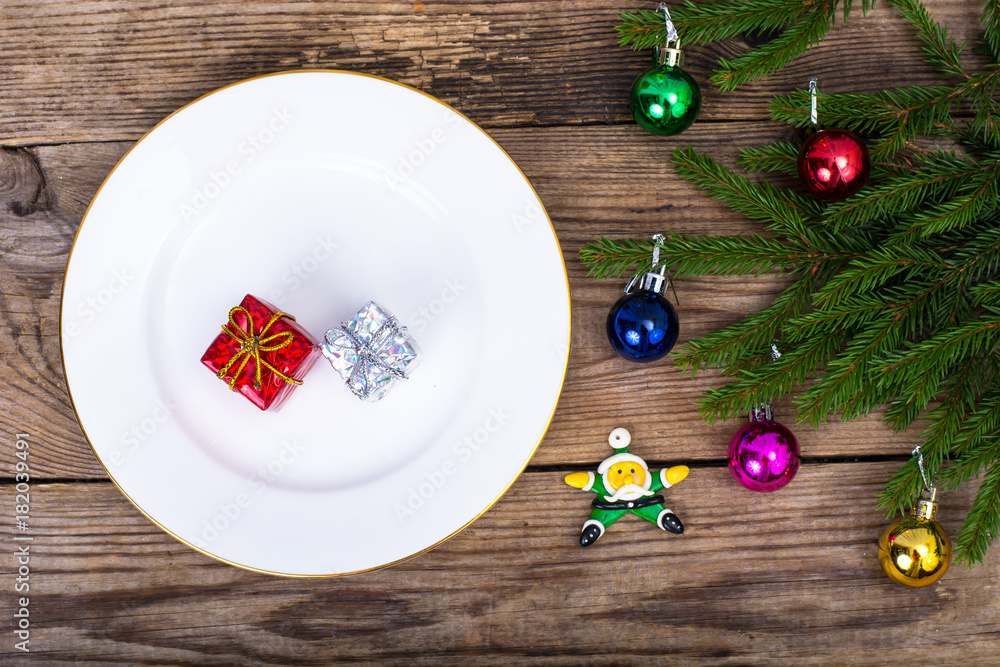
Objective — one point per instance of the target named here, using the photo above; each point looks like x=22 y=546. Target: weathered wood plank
x=755 y=579
x=585 y=176
x=85 y=71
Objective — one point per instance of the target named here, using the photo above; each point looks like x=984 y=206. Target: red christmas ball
x=833 y=164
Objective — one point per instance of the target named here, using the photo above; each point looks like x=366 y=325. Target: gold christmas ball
x=914 y=551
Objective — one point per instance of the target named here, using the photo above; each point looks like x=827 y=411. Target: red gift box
x=262 y=353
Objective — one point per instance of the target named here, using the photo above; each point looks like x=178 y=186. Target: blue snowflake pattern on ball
x=632 y=337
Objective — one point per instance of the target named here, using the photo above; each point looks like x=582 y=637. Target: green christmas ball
x=665 y=100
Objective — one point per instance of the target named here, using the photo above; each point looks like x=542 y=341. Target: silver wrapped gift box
x=371 y=352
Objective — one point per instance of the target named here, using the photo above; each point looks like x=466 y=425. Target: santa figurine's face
x=625 y=475
x=626 y=472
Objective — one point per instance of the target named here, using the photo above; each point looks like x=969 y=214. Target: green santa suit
x=639 y=499
x=606 y=511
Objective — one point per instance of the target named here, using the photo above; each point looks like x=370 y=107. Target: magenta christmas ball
x=763 y=456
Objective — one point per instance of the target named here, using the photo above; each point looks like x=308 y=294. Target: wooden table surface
x=789 y=577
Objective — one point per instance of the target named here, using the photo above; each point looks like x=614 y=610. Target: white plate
x=317 y=191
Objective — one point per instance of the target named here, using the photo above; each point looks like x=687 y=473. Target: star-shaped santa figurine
x=624 y=484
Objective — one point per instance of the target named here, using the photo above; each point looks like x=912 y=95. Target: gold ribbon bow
x=252 y=344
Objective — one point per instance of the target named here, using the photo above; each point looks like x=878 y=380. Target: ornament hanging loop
x=765 y=411
x=923 y=471
x=671 y=29
x=653 y=280
x=927 y=506
x=928 y=486
x=813 y=92
x=667 y=54
x=762 y=412
x=657 y=240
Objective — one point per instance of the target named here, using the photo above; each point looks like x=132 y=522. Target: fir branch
x=973 y=460
x=946 y=421
x=687 y=255
x=991 y=27
x=896 y=299
x=900 y=491
x=977 y=444
x=915 y=376
x=779 y=157
x=938 y=174
x=908 y=403
x=980 y=427
x=986 y=294
x=845 y=375
x=727 y=347
x=774 y=55
x=975 y=259
x=707 y=22
x=866 y=6
x=729 y=255
x=955 y=210
x=981 y=83
x=981 y=523
x=961 y=390
x=801 y=23
x=614 y=258
x=955 y=213
x=643 y=29
x=921 y=108
x=986 y=121
x=769 y=382
x=897 y=117
x=874 y=270
x=848 y=384
x=758 y=201
x=940 y=52
x=972 y=144
x=856 y=311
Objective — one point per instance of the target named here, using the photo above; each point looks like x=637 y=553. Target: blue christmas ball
x=642 y=326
